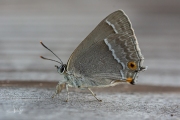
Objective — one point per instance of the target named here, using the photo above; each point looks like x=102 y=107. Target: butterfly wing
x=103 y=56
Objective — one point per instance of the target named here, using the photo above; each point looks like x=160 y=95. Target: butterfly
x=108 y=56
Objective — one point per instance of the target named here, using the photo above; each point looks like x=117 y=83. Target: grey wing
x=125 y=49
x=95 y=58
x=121 y=24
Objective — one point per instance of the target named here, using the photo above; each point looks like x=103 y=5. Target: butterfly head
x=61 y=69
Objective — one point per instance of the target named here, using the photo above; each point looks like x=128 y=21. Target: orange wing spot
x=132 y=65
x=129 y=80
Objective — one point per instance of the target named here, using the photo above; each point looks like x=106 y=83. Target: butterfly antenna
x=51 y=52
x=50 y=59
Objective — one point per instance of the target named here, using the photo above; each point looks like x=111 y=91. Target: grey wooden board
x=36 y=103
x=63 y=24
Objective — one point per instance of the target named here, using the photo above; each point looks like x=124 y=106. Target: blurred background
x=63 y=24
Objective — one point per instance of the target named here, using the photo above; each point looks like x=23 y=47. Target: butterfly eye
x=132 y=65
x=63 y=68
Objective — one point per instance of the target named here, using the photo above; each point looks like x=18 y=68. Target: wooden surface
x=62 y=25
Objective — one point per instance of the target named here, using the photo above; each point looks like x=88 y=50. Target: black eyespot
x=132 y=65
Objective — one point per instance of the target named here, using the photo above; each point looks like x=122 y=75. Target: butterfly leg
x=94 y=95
x=67 y=93
x=59 y=88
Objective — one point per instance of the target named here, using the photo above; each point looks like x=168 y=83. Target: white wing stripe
x=112 y=26
x=113 y=53
x=122 y=74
